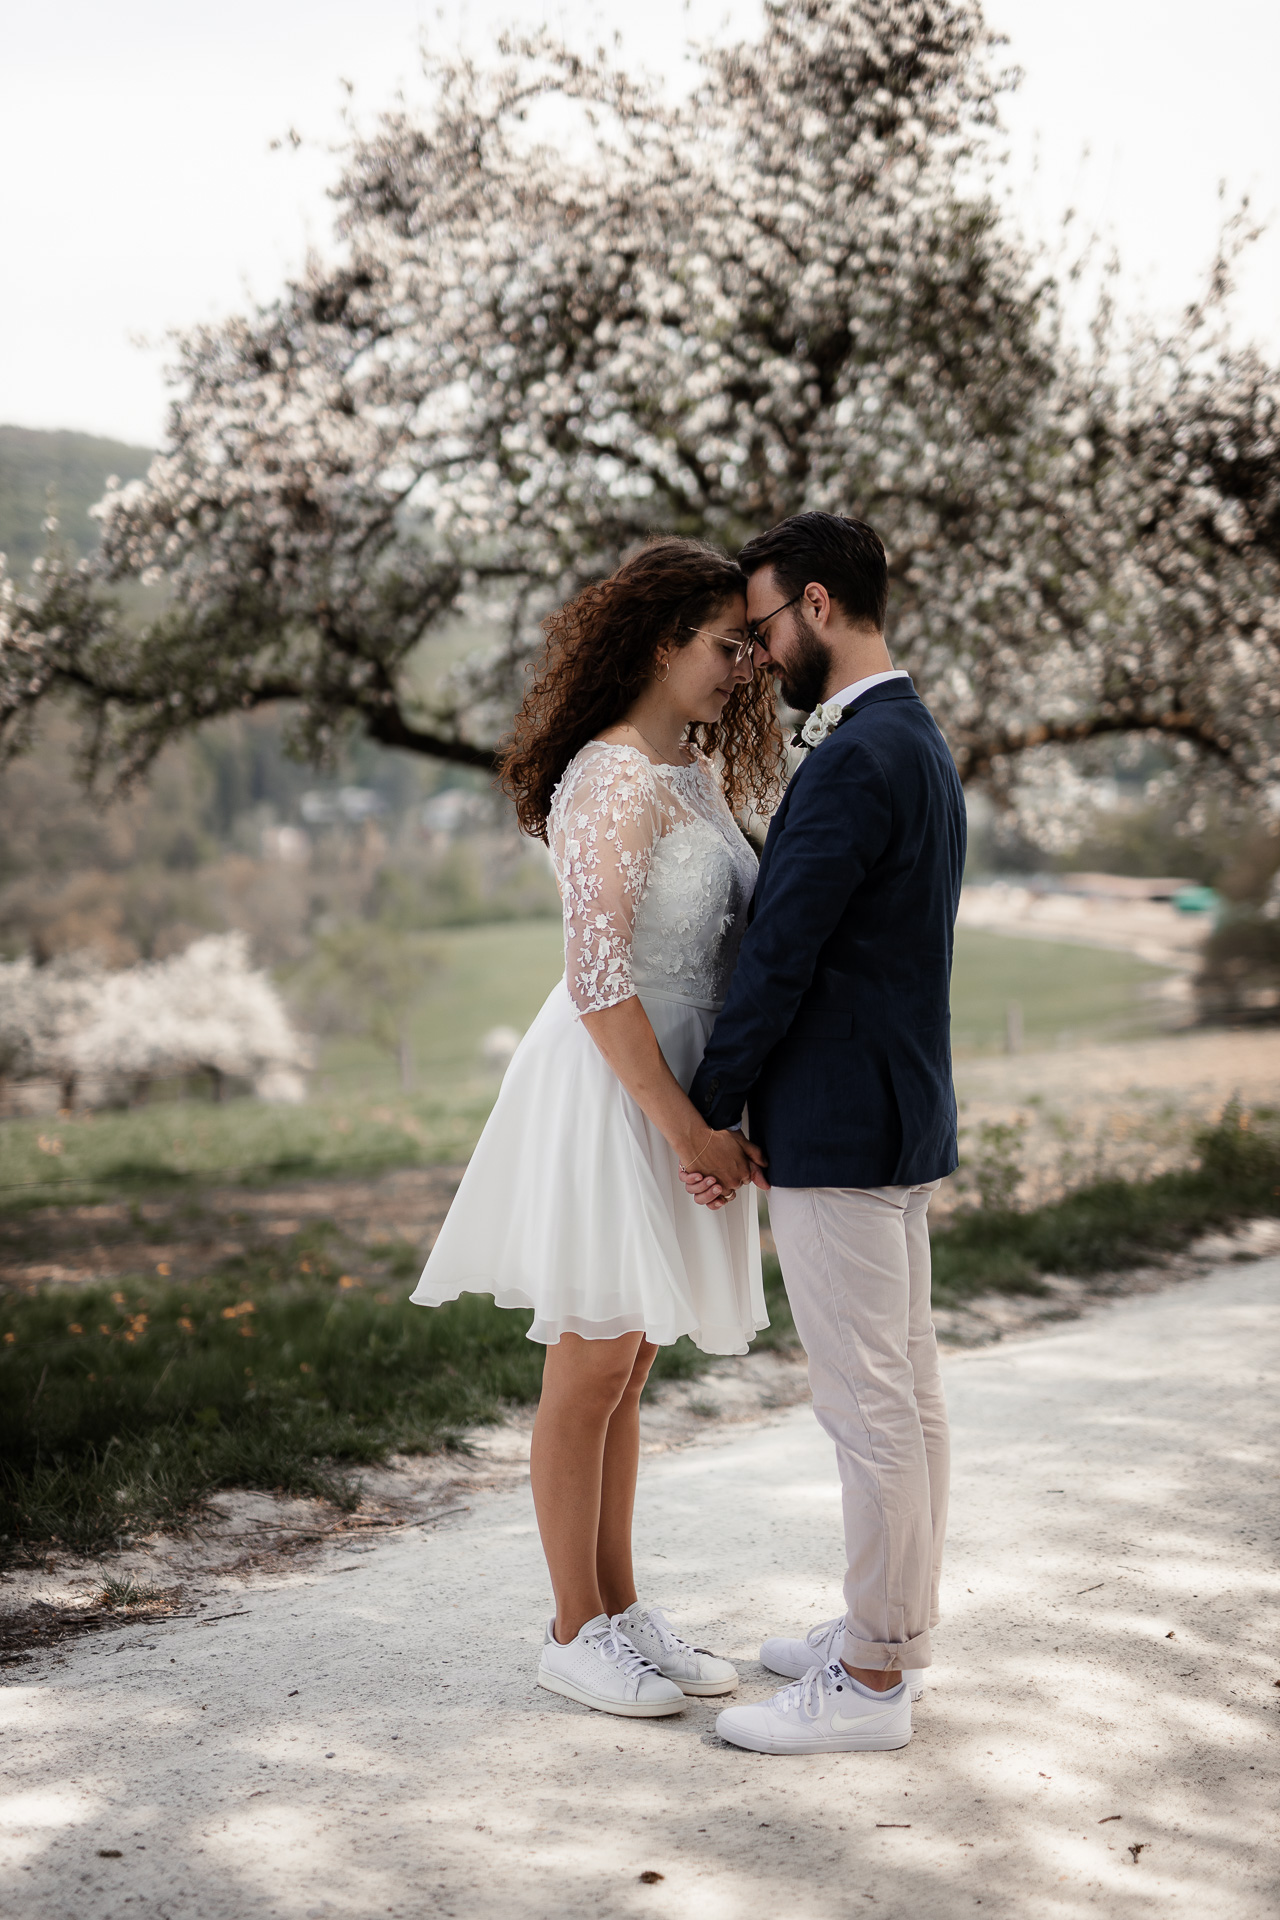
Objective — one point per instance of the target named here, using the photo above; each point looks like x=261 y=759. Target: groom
x=836 y=1035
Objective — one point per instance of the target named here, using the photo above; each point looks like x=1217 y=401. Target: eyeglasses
x=754 y=636
x=729 y=642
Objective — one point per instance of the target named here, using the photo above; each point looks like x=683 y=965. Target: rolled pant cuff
x=877 y=1656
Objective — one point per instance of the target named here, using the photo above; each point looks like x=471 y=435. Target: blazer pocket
x=822 y=1023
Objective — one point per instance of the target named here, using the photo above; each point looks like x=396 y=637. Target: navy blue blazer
x=837 y=1024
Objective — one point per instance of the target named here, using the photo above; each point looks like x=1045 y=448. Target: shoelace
x=613 y=1645
x=671 y=1640
x=816 y=1635
x=807 y=1695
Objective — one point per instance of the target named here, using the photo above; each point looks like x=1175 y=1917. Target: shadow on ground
x=364 y=1737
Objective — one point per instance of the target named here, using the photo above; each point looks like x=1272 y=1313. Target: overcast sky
x=139 y=192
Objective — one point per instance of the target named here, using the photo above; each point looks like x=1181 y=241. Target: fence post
x=1013 y=1027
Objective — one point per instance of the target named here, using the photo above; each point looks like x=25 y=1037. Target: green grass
x=186 y=1143
x=127 y=1593
x=500 y=975
x=1111 y=1225
x=122 y=1406
x=1067 y=994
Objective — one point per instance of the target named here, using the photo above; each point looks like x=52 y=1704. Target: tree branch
x=976 y=754
x=388 y=726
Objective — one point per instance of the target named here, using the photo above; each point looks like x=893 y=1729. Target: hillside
x=75 y=466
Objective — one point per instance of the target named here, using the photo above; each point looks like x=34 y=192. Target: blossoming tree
x=206 y=1010
x=566 y=312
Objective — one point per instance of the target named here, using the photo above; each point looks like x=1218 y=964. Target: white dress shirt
x=847 y=695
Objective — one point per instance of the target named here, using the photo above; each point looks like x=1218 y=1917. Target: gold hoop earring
x=666 y=669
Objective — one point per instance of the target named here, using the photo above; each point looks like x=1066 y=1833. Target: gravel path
x=343 y=1746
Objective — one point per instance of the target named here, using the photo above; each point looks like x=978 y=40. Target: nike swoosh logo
x=866 y=1720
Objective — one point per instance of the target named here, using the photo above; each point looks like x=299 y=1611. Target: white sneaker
x=693 y=1669
x=600 y=1668
x=826 y=1712
x=821 y=1645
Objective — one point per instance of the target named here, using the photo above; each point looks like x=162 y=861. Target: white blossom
x=206 y=1009
x=783 y=292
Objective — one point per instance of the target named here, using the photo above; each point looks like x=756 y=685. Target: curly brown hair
x=600 y=650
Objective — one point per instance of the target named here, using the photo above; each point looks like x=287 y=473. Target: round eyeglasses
x=729 y=644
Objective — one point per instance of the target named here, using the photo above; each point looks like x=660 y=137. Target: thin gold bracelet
x=706 y=1143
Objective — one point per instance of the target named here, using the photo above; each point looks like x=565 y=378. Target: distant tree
x=1239 y=977
x=43 y=1010
x=367 y=979
x=788 y=290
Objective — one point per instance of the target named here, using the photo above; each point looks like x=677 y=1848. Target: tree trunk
x=404 y=1057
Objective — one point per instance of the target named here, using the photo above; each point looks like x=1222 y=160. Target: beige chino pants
x=856 y=1265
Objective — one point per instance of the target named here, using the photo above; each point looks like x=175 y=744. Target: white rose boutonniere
x=822 y=721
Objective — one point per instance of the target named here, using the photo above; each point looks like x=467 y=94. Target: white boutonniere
x=822 y=721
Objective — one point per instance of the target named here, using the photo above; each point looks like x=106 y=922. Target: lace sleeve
x=606 y=821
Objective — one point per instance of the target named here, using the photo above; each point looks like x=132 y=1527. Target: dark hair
x=600 y=651
x=844 y=556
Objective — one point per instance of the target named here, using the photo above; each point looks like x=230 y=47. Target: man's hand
x=706 y=1184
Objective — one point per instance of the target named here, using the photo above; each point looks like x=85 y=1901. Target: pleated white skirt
x=572 y=1202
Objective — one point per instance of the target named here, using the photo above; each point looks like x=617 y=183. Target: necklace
x=658 y=750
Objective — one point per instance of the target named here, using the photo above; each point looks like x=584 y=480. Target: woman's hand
x=706 y=1182
x=720 y=1160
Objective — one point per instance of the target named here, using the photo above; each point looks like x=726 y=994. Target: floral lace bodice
x=654 y=875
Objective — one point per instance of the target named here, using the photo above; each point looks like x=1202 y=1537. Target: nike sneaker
x=826 y=1712
x=821 y=1645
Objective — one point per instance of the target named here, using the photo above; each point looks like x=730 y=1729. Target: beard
x=803 y=680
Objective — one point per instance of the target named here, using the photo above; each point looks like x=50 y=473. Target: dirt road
x=1100 y=1735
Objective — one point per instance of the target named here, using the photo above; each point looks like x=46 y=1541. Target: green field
x=493 y=976
x=1068 y=995
x=358 y=1120
x=500 y=975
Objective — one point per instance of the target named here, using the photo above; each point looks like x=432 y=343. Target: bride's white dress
x=572 y=1202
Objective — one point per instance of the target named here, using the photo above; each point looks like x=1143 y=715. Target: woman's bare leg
x=614 y=1576
x=583 y=1382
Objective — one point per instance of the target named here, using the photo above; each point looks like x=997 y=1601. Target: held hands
x=727 y=1161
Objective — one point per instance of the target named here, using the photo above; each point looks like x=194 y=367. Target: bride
x=572 y=1204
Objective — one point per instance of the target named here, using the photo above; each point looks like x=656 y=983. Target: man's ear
x=818 y=602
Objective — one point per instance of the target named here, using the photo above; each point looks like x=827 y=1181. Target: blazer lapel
x=887 y=690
